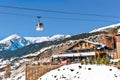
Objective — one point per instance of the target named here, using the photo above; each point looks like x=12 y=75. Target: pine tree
x=107 y=61
x=98 y=60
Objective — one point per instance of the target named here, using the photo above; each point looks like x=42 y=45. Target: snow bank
x=83 y=72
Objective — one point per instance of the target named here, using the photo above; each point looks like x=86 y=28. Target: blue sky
x=25 y=26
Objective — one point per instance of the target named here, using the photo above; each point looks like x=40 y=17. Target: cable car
x=39 y=26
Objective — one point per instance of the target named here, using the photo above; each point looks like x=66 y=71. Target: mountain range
x=15 y=41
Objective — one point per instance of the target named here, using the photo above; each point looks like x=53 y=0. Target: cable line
x=16 y=14
x=9 y=13
x=53 y=11
x=80 y=19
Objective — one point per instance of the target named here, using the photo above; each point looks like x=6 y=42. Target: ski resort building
x=88 y=50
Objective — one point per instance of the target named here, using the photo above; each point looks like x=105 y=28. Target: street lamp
x=39 y=26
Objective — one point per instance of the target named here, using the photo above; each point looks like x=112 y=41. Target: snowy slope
x=75 y=72
x=106 y=28
x=14 y=41
x=83 y=72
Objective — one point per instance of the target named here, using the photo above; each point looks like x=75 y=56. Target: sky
x=57 y=23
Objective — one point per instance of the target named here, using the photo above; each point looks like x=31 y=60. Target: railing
x=89 y=50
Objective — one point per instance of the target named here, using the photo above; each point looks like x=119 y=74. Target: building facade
x=117 y=40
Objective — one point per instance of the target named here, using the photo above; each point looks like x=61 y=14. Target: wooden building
x=117 y=40
x=86 y=50
x=82 y=50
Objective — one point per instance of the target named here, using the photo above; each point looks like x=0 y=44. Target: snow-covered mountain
x=14 y=41
x=47 y=38
x=106 y=28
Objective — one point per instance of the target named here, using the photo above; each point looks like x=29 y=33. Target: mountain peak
x=13 y=42
x=14 y=35
x=10 y=37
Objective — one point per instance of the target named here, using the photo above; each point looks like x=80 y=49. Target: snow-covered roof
x=95 y=43
x=74 y=54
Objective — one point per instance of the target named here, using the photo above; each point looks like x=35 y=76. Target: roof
x=94 y=43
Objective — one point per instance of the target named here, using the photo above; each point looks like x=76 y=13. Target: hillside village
x=103 y=48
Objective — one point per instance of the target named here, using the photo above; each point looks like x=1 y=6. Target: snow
x=2 y=75
x=37 y=53
x=96 y=43
x=58 y=36
x=118 y=32
x=4 y=63
x=104 y=28
x=47 y=38
x=83 y=72
x=37 y=39
x=114 y=60
x=71 y=72
x=74 y=54
x=14 y=41
x=20 y=76
x=9 y=38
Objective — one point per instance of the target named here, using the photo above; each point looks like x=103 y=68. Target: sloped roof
x=94 y=43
